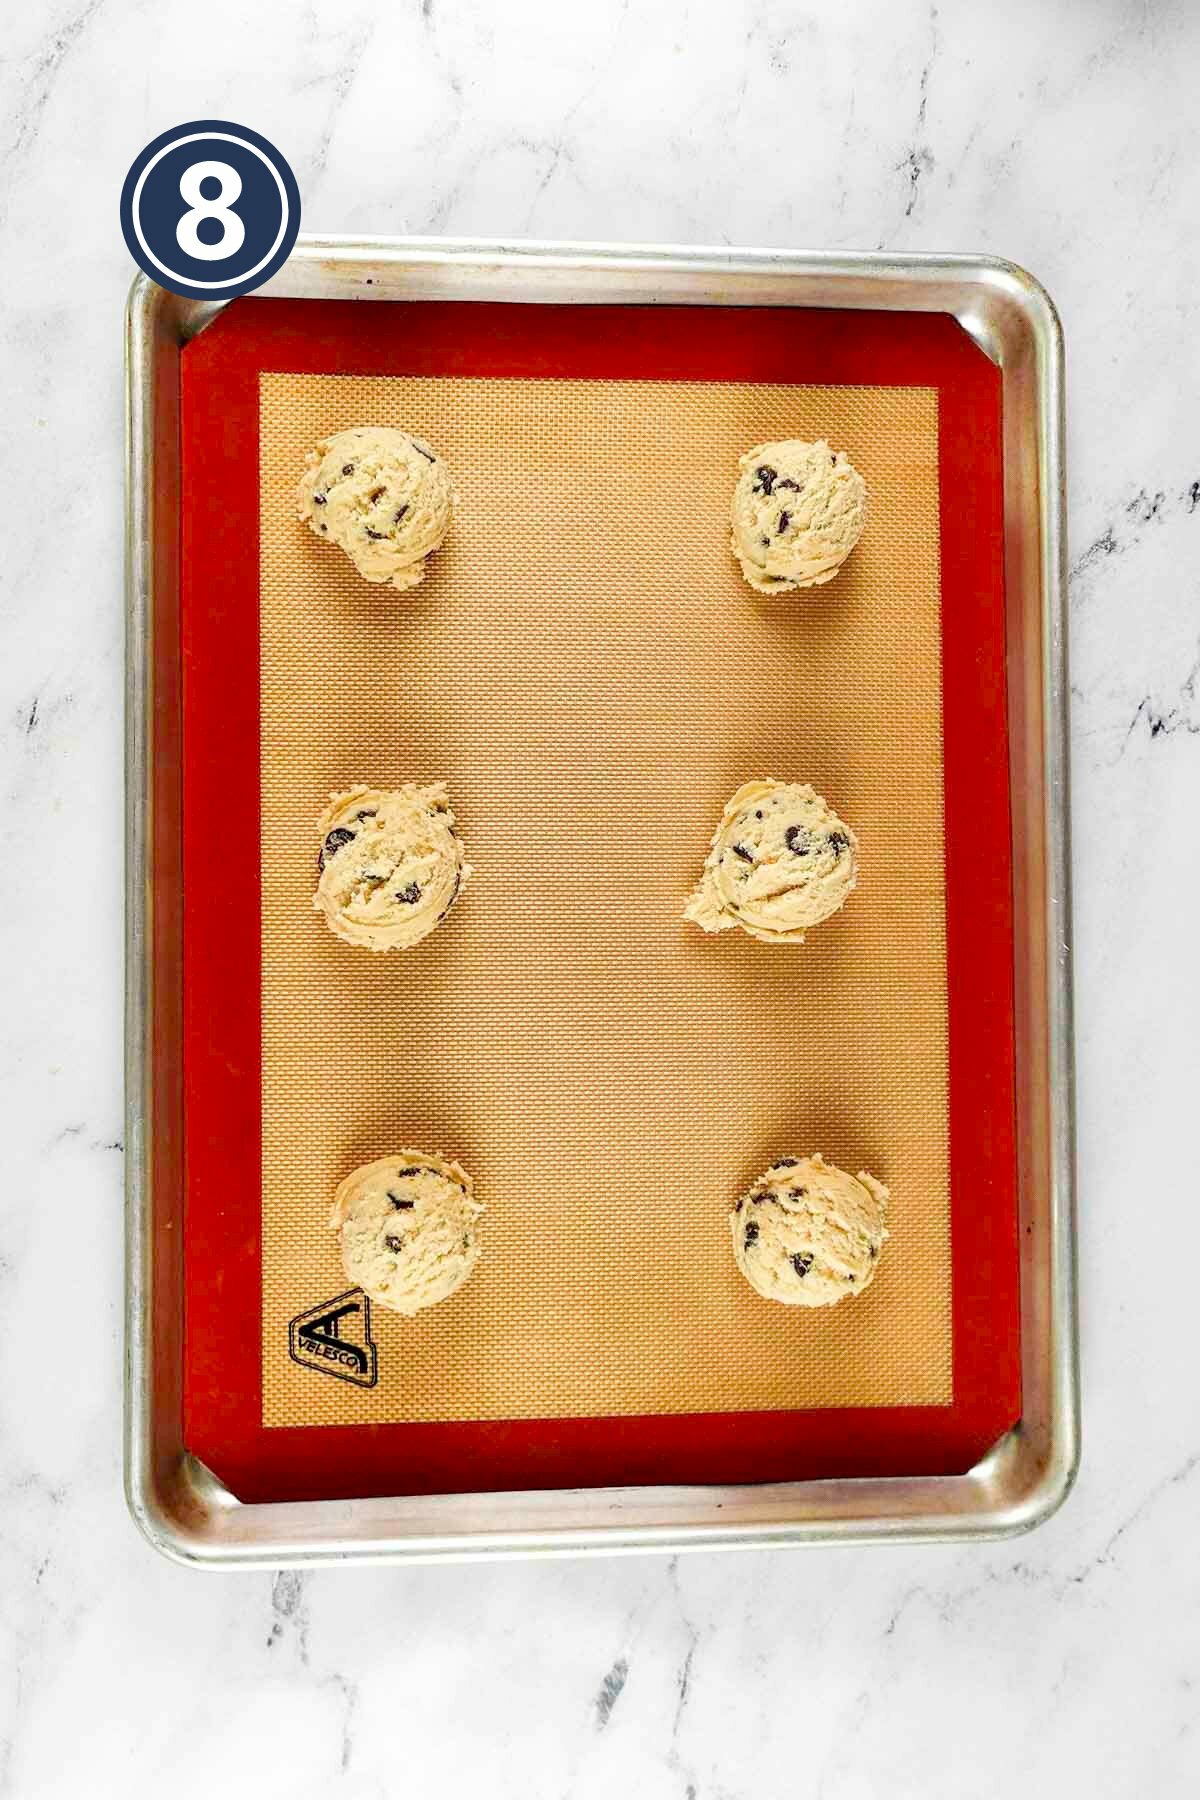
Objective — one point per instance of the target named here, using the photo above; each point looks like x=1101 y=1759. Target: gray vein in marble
x=32 y=1627
x=1165 y=721
x=918 y=159
x=1105 y=1557
x=291 y=1618
x=36 y=714
x=1135 y=26
x=443 y=210
x=1100 y=547
x=683 y=1682
x=341 y=79
x=349 y=1692
x=33 y=1482
x=558 y=152
x=557 y=147
x=77 y=1131
x=8 y=1741
x=843 y=161
x=610 y=1691
x=290 y=1612
x=38 y=85
x=1141 y=510
x=683 y=1679
x=950 y=1603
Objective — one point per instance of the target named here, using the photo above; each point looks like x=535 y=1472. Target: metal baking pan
x=180 y=1505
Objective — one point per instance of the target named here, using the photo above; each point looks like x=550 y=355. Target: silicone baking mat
x=586 y=668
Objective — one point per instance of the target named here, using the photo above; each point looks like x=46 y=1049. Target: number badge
x=210 y=210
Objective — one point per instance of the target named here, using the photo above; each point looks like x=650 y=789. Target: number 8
x=233 y=232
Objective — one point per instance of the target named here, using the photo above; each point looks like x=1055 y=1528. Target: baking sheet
x=588 y=671
x=222 y=1037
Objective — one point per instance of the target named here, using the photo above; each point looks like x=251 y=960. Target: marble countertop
x=1066 y=138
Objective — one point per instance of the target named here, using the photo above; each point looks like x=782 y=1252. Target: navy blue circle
x=260 y=206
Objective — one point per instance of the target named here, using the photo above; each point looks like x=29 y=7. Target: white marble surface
x=1064 y=135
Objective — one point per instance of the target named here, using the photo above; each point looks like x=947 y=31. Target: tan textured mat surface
x=588 y=671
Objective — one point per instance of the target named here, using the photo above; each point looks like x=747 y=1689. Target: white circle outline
x=204 y=137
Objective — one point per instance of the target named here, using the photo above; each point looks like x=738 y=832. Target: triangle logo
x=335 y=1339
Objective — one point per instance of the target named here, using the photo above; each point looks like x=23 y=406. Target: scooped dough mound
x=781 y=861
x=798 y=511
x=808 y=1234
x=380 y=495
x=391 y=864
x=406 y=1225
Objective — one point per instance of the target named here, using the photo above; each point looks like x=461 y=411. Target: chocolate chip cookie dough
x=391 y=864
x=808 y=1234
x=798 y=511
x=381 y=496
x=406 y=1226
x=781 y=861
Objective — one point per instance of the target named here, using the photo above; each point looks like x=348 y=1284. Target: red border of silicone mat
x=219 y=645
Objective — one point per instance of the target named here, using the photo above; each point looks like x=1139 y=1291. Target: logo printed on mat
x=335 y=1339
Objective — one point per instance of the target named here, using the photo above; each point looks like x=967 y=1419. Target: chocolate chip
x=787 y=1162
x=347 y=468
x=320 y=500
x=373 y=534
x=399 y=1205
x=751 y=1236
x=741 y=850
x=802 y=1262
x=403 y=1174
x=766 y=543
x=400 y=515
x=368 y=812
x=324 y=528
x=785 y=519
x=765 y=478
x=873 y=1252
x=758 y=1195
x=466 y=1240
x=838 y=841
x=796 y=839
x=787 y=482
x=376 y=495
x=410 y=895
x=799 y=1193
x=852 y=1278
x=394 y=1244
x=423 y=450
x=337 y=840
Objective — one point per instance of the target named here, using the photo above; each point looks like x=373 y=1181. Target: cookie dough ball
x=406 y=1225
x=798 y=511
x=808 y=1234
x=382 y=496
x=391 y=864
x=781 y=860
